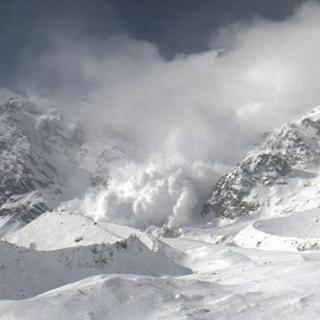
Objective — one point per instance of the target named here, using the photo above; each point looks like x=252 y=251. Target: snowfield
x=25 y=272
x=202 y=274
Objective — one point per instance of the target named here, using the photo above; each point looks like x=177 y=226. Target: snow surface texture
x=26 y=272
x=227 y=281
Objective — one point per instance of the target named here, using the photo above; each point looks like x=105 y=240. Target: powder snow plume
x=191 y=118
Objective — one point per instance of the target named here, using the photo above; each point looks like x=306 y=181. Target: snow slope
x=202 y=274
x=72 y=230
x=243 y=284
x=27 y=272
x=278 y=177
x=52 y=231
x=37 y=171
x=297 y=232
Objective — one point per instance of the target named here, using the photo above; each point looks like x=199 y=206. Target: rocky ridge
x=291 y=151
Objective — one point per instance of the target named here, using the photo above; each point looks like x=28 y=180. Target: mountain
x=257 y=257
x=46 y=160
x=37 y=169
x=280 y=176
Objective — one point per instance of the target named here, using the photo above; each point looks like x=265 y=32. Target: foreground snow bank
x=297 y=232
x=26 y=272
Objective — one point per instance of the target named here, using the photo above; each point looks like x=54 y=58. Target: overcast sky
x=175 y=26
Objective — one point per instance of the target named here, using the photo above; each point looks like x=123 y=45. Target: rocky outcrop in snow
x=37 y=170
x=286 y=152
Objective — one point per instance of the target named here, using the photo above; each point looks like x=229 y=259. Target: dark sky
x=176 y=26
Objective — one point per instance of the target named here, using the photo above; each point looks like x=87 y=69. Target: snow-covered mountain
x=45 y=160
x=278 y=177
x=253 y=253
x=37 y=170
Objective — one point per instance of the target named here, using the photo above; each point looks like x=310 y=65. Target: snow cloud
x=192 y=117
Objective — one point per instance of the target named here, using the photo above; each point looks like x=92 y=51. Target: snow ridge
x=36 y=167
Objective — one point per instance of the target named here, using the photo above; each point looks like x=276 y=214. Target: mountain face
x=37 y=169
x=273 y=174
x=44 y=160
x=63 y=265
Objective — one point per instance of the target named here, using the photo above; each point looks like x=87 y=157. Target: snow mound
x=297 y=232
x=117 y=297
x=62 y=229
x=302 y=225
x=58 y=230
x=25 y=272
x=258 y=285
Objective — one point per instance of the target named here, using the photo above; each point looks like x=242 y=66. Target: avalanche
x=251 y=252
